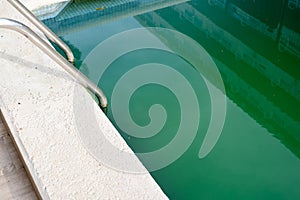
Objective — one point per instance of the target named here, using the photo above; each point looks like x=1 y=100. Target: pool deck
x=14 y=182
x=37 y=101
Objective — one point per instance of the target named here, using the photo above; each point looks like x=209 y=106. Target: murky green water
x=257 y=154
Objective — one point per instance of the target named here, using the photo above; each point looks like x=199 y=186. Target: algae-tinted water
x=257 y=155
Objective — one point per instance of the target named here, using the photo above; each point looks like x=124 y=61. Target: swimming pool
x=257 y=54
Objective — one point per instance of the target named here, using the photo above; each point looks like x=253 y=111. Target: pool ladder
x=49 y=50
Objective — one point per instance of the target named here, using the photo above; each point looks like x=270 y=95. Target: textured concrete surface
x=37 y=97
x=36 y=4
x=14 y=182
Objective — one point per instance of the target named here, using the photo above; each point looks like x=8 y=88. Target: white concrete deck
x=14 y=182
x=36 y=96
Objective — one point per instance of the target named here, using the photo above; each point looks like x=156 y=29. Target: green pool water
x=257 y=154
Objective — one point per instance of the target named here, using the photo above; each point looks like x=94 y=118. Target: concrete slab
x=36 y=4
x=14 y=182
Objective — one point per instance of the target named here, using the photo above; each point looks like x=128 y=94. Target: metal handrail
x=43 y=28
x=51 y=52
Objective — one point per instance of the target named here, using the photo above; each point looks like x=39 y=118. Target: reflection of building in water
x=257 y=16
x=221 y=3
x=293 y=4
x=289 y=41
x=275 y=74
x=261 y=15
x=290 y=34
x=252 y=95
x=266 y=11
x=278 y=19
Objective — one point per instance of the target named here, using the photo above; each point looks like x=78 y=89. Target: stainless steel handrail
x=51 y=52
x=43 y=28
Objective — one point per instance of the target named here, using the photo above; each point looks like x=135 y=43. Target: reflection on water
x=256 y=46
x=271 y=82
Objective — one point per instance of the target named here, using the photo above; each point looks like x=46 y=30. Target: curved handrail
x=43 y=28
x=45 y=47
